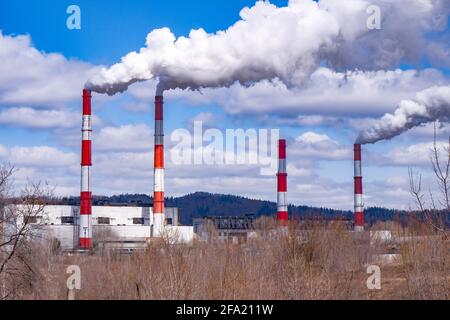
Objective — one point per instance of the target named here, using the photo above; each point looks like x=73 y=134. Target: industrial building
x=79 y=227
x=225 y=228
x=124 y=227
x=118 y=227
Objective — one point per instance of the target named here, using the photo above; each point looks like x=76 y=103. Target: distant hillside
x=202 y=204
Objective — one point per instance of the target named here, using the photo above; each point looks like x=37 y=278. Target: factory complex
x=133 y=228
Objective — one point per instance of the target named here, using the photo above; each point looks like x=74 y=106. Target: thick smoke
x=287 y=43
x=429 y=105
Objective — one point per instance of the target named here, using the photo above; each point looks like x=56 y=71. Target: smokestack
x=85 y=232
x=282 y=209
x=158 y=186
x=359 y=208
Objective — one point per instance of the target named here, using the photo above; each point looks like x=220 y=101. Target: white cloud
x=286 y=43
x=416 y=154
x=132 y=137
x=397 y=181
x=38 y=156
x=207 y=119
x=314 y=120
x=3 y=151
x=123 y=154
x=33 y=78
x=320 y=147
x=40 y=119
x=314 y=138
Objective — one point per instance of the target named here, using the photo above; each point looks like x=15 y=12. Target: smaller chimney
x=158 y=175
x=282 y=208
x=359 y=208
x=85 y=231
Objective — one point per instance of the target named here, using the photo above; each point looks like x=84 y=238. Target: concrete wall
x=125 y=223
x=118 y=216
x=105 y=232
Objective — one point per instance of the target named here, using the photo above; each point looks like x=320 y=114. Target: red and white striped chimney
x=85 y=231
x=359 y=207
x=282 y=208
x=158 y=186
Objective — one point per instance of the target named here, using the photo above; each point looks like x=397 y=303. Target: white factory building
x=117 y=226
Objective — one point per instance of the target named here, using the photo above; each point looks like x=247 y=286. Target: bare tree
x=441 y=168
x=436 y=214
x=20 y=220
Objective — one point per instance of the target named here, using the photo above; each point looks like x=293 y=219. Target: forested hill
x=206 y=204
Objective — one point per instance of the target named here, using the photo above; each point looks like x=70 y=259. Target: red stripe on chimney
x=86 y=153
x=159 y=157
x=86 y=203
x=357 y=151
x=282 y=182
x=358 y=185
x=87 y=102
x=282 y=149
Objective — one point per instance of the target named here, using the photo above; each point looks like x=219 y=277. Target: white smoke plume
x=429 y=105
x=287 y=43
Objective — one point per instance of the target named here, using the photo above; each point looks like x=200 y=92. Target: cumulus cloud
x=43 y=163
x=38 y=156
x=39 y=119
x=314 y=120
x=132 y=137
x=34 y=78
x=417 y=154
x=207 y=119
x=322 y=193
x=319 y=146
x=324 y=65
x=286 y=43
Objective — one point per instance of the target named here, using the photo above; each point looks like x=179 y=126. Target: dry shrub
x=321 y=263
x=426 y=268
x=293 y=262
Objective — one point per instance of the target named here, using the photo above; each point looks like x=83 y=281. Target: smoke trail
x=429 y=105
x=287 y=43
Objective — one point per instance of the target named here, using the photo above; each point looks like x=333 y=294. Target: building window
x=103 y=220
x=169 y=221
x=138 y=220
x=67 y=220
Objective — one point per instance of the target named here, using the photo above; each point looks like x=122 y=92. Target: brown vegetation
x=321 y=263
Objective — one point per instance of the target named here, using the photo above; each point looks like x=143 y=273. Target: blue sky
x=319 y=123
x=110 y=29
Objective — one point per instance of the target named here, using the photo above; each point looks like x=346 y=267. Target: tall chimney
x=85 y=231
x=282 y=209
x=158 y=186
x=359 y=208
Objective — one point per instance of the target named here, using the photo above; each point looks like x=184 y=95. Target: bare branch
x=441 y=170
x=20 y=218
x=415 y=188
